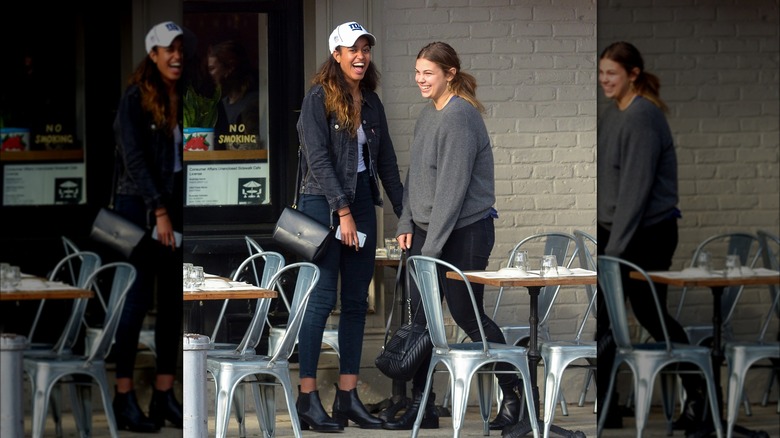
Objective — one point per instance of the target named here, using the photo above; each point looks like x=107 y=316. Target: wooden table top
x=676 y=278
x=563 y=280
x=232 y=293
x=50 y=293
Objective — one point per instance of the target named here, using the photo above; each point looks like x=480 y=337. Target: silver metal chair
x=272 y=262
x=557 y=244
x=740 y=356
x=557 y=355
x=646 y=360
x=330 y=336
x=586 y=253
x=721 y=245
x=230 y=370
x=463 y=360
x=770 y=253
x=47 y=371
x=74 y=269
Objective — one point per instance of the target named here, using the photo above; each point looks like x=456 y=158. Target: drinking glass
x=704 y=261
x=549 y=266
x=520 y=260
x=393 y=248
x=733 y=266
x=198 y=277
x=11 y=277
x=186 y=274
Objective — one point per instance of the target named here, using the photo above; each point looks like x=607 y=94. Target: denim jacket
x=147 y=154
x=329 y=153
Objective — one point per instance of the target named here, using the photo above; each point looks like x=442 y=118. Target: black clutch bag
x=116 y=232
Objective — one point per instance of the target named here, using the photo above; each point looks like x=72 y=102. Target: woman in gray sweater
x=448 y=208
x=637 y=208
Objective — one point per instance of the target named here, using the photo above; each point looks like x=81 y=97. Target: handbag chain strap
x=298 y=185
x=114 y=177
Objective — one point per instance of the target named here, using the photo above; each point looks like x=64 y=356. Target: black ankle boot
x=312 y=414
x=129 y=415
x=509 y=412
x=164 y=406
x=406 y=421
x=347 y=406
x=695 y=415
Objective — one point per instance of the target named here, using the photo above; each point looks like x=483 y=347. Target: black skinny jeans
x=468 y=248
x=652 y=249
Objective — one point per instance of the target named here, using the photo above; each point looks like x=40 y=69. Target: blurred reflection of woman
x=149 y=192
x=637 y=208
x=239 y=109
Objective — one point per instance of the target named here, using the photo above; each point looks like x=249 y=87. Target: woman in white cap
x=346 y=151
x=149 y=192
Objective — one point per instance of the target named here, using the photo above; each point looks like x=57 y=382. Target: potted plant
x=200 y=116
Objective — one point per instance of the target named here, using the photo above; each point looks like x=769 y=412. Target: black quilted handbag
x=404 y=352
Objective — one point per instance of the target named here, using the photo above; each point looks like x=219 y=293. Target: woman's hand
x=165 y=229
x=349 y=235
x=405 y=241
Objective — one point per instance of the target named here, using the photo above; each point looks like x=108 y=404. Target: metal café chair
x=466 y=359
x=49 y=370
x=330 y=336
x=647 y=359
x=558 y=355
x=586 y=252
x=231 y=370
x=770 y=253
x=740 y=356
x=272 y=263
x=741 y=244
x=557 y=244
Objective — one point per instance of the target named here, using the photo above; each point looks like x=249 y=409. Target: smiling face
x=169 y=60
x=616 y=81
x=354 y=60
x=433 y=81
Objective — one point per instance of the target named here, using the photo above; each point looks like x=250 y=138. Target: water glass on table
x=10 y=276
x=520 y=260
x=704 y=261
x=197 y=277
x=393 y=248
x=733 y=266
x=186 y=275
x=549 y=266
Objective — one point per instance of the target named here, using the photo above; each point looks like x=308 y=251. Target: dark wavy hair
x=338 y=99
x=154 y=94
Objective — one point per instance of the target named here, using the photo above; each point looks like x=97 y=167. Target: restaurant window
x=226 y=136
x=41 y=143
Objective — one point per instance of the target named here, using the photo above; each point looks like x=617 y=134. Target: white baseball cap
x=162 y=35
x=346 y=35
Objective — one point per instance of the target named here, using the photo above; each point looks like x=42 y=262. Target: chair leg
x=769 y=384
x=643 y=390
x=585 y=387
x=265 y=406
x=485 y=384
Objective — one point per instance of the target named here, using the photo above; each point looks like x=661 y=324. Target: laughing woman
x=346 y=151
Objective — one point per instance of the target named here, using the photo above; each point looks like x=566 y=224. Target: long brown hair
x=338 y=99
x=646 y=84
x=463 y=84
x=154 y=94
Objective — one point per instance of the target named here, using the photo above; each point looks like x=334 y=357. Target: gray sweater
x=450 y=182
x=637 y=169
